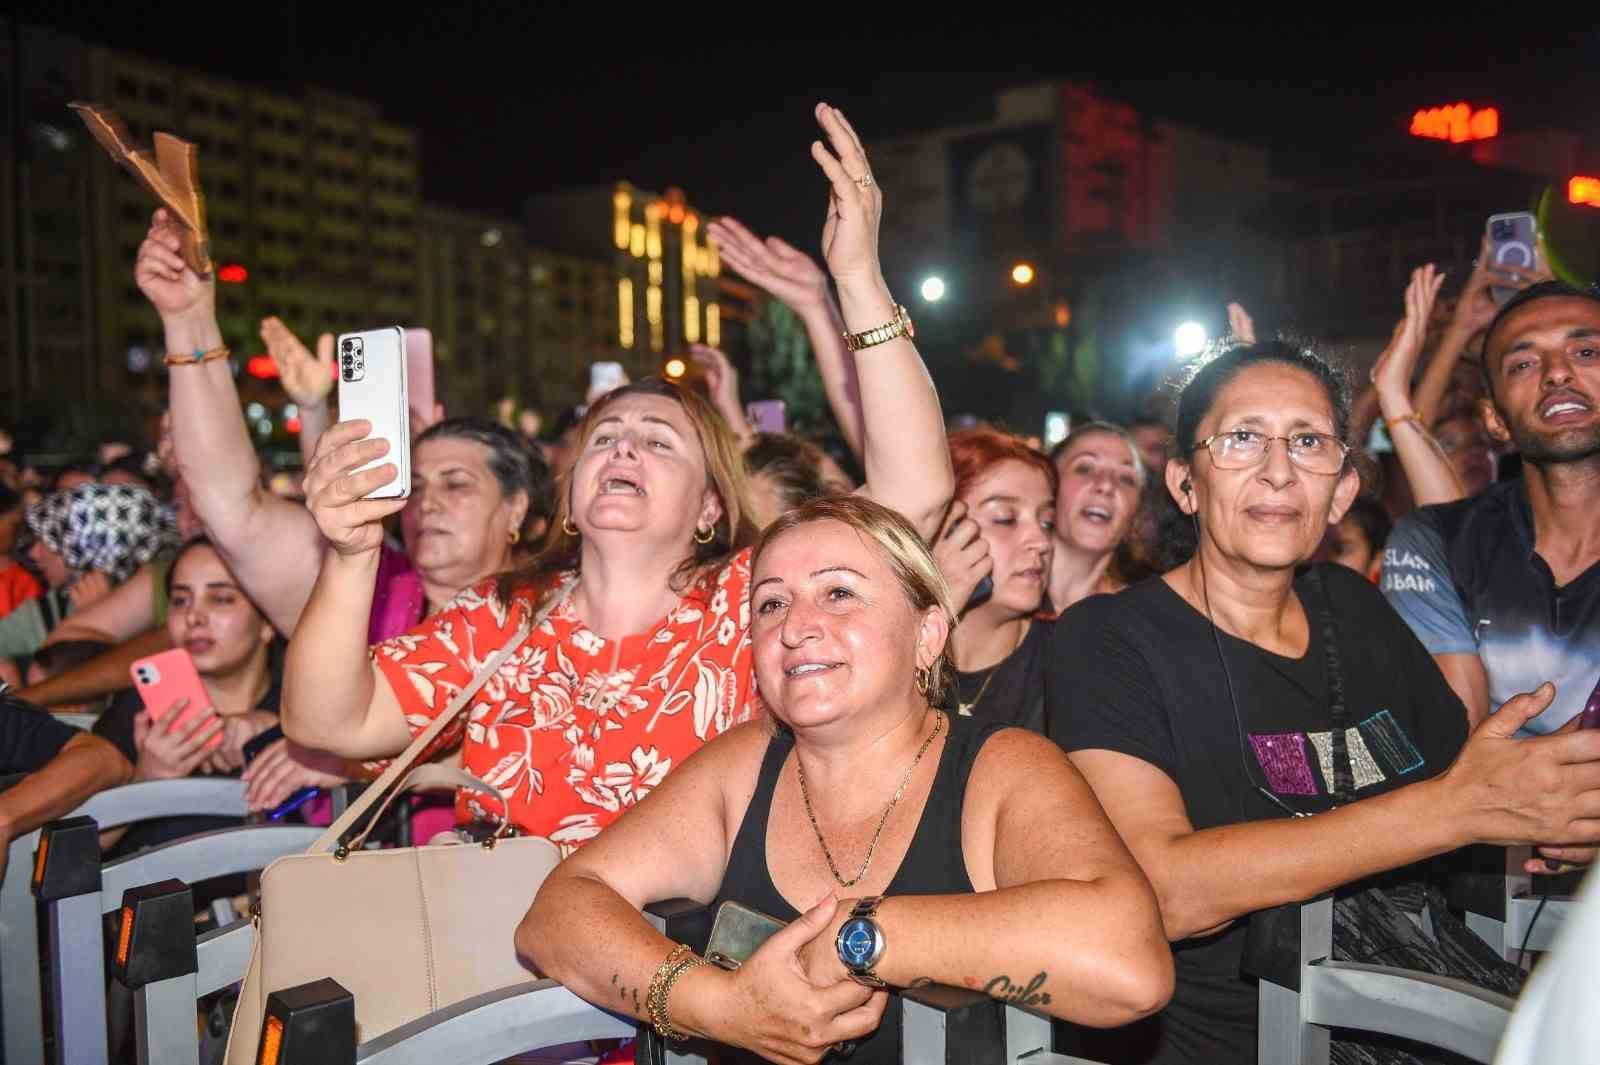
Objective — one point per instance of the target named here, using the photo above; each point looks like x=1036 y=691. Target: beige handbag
x=407 y=930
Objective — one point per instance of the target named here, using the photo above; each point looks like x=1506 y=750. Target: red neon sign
x=233 y=274
x=1584 y=190
x=1457 y=123
x=261 y=366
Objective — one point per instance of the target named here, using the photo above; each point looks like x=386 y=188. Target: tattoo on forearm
x=1033 y=994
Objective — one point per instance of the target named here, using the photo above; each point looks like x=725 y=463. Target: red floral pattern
x=573 y=729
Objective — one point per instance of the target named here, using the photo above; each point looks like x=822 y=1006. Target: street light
x=933 y=289
x=1190 y=338
x=676 y=368
x=1022 y=274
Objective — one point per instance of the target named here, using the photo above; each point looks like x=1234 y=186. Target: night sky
x=516 y=99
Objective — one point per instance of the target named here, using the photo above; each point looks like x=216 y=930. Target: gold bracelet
x=197 y=356
x=1409 y=416
x=654 y=999
x=664 y=1028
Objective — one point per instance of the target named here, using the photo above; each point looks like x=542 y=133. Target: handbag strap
x=386 y=783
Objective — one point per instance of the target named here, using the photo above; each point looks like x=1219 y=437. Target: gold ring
x=865 y=181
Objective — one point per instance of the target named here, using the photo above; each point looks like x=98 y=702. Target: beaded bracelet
x=198 y=356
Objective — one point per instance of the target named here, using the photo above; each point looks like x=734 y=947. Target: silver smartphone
x=372 y=386
x=1514 y=241
x=736 y=932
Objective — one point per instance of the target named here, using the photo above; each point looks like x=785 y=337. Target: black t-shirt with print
x=1138 y=673
x=1014 y=694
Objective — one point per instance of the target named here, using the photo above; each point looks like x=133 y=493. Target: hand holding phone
x=1513 y=243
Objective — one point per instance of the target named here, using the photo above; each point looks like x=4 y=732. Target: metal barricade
x=1504 y=910
x=21 y=994
x=78 y=890
x=1434 y=1010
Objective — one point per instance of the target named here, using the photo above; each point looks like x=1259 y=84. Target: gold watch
x=898 y=326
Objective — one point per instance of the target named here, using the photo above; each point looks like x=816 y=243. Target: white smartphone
x=1513 y=240
x=372 y=385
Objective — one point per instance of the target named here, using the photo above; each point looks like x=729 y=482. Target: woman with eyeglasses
x=1215 y=708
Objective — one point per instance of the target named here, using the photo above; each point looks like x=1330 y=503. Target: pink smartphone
x=419 y=372
x=766 y=415
x=165 y=678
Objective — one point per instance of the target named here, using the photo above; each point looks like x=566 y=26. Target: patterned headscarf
x=114 y=528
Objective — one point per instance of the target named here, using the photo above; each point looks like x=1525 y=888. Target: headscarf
x=113 y=528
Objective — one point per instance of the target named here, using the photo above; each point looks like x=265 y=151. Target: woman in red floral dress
x=648 y=654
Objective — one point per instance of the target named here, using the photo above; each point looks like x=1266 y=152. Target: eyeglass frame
x=1266 y=452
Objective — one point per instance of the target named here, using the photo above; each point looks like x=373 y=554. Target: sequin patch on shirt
x=1283 y=758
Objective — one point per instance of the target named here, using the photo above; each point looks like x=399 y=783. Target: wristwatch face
x=860 y=943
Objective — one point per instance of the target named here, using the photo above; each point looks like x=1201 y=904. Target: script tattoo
x=1033 y=994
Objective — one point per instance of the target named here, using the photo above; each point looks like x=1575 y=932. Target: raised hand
x=855 y=203
x=1240 y=326
x=962 y=554
x=335 y=493
x=307 y=378
x=165 y=279
x=1476 y=306
x=779 y=268
x=1392 y=372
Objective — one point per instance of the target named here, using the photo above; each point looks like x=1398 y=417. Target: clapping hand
x=779 y=268
x=855 y=203
x=1392 y=372
x=306 y=378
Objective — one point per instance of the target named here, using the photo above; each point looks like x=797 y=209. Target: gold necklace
x=965 y=709
x=905 y=778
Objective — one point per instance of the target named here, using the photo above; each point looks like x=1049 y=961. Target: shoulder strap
x=401 y=765
x=1344 y=780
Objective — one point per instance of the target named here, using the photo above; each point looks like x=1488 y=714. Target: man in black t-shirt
x=1504 y=588
x=63 y=767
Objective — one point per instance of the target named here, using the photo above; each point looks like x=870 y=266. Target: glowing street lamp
x=1190 y=338
x=933 y=289
x=1022 y=274
x=676 y=368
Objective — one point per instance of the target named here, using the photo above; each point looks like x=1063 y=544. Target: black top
x=1467 y=580
x=1138 y=673
x=1015 y=695
x=116 y=725
x=29 y=736
x=933 y=864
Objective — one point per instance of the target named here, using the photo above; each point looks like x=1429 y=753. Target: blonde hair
x=725 y=475
x=907 y=556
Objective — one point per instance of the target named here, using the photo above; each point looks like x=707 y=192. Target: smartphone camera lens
x=1503 y=231
x=348 y=346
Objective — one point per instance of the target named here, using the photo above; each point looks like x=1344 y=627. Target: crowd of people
x=1080 y=722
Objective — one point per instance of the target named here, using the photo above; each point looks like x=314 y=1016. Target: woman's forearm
x=1430 y=391
x=1084 y=951
x=903 y=444
x=313 y=420
x=328 y=681
x=1208 y=878
x=1428 y=470
x=825 y=329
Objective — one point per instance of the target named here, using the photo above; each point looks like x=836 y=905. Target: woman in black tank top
x=901 y=845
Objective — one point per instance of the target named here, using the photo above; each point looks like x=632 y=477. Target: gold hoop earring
x=568 y=527
x=514 y=535
x=923 y=678
x=709 y=535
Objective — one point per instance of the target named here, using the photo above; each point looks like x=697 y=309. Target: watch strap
x=898 y=326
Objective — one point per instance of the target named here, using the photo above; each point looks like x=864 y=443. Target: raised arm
x=270 y=544
x=722 y=381
x=793 y=277
x=307 y=379
x=1428 y=469
x=333 y=698
x=1071 y=927
x=1501 y=790
x=903 y=442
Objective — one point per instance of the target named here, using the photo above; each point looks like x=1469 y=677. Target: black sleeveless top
x=933 y=864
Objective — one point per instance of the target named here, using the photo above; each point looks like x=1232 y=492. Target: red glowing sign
x=1457 y=123
x=1584 y=190
x=233 y=274
x=261 y=366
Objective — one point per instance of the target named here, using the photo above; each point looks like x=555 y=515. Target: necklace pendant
x=964 y=709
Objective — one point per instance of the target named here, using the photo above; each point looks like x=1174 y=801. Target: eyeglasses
x=1240 y=449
